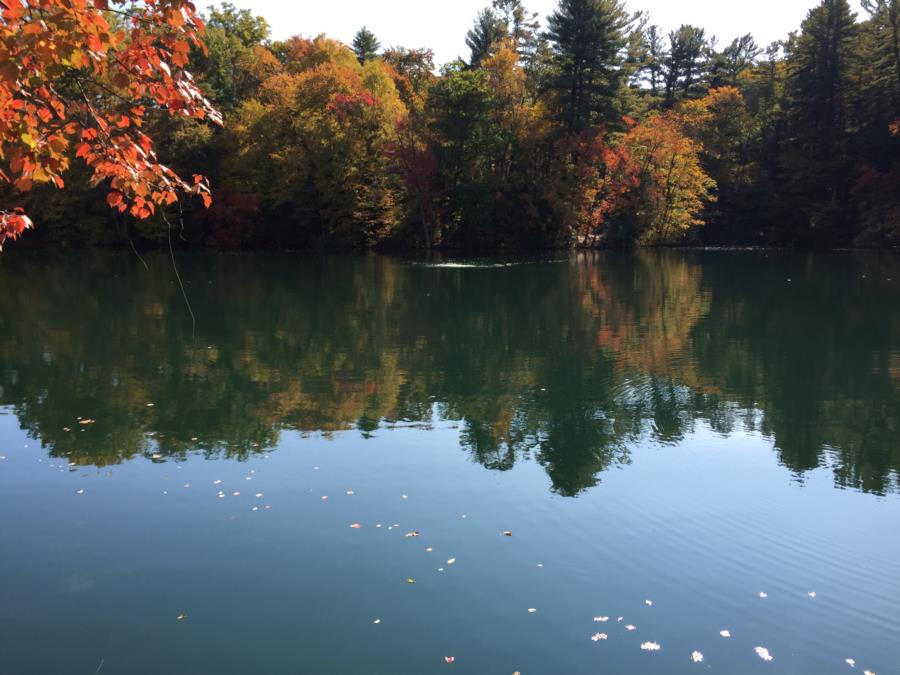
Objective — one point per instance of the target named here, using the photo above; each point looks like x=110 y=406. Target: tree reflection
x=570 y=363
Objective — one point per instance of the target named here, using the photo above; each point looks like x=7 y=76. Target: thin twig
x=100 y=667
x=177 y=275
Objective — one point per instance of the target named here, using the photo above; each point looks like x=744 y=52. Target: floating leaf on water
x=410 y=581
x=377 y=621
x=79 y=492
x=377 y=525
x=630 y=627
x=725 y=633
x=651 y=646
x=150 y=405
x=596 y=637
x=507 y=533
x=449 y=659
x=451 y=561
x=355 y=526
x=428 y=549
x=255 y=508
x=763 y=595
x=763 y=653
x=850 y=662
x=697 y=657
x=181 y=617
x=259 y=495
x=531 y=610
x=87 y=422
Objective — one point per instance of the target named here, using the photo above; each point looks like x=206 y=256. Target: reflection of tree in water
x=569 y=363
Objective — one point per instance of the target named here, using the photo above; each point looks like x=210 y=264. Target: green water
x=692 y=429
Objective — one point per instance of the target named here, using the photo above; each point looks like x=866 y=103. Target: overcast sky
x=443 y=25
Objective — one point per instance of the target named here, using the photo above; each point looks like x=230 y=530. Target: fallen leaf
x=651 y=646
x=596 y=637
x=763 y=653
x=697 y=657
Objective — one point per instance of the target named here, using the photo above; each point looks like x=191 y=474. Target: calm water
x=690 y=429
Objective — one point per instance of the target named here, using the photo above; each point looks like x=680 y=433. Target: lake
x=594 y=463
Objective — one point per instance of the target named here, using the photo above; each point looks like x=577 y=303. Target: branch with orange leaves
x=51 y=45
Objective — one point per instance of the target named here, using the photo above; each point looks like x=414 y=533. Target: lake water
x=678 y=443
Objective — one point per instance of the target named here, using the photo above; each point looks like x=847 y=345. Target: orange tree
x=77 y=78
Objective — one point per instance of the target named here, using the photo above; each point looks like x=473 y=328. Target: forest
x=592 y=128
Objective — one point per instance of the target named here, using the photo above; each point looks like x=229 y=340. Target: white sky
x=442 y=25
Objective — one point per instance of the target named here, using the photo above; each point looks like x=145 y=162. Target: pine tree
x=483 y=37
x=587 y=37
x=684 y=67
x=818 y=97
x=366 y=45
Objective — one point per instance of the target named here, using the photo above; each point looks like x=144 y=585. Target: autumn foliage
x=77 y=80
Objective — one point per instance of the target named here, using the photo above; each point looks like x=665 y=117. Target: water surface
x=692 y=429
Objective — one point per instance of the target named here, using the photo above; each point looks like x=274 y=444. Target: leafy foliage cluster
x=601 y=130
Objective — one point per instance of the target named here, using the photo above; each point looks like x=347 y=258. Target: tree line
x=593 y=128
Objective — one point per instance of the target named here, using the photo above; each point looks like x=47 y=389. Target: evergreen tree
x=483 y=37
x=684 y=67
x=818 y=88
x=727 y=66
x=365 y=45
x=587 y=37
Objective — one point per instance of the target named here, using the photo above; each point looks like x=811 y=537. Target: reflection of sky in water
x=700 y=528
